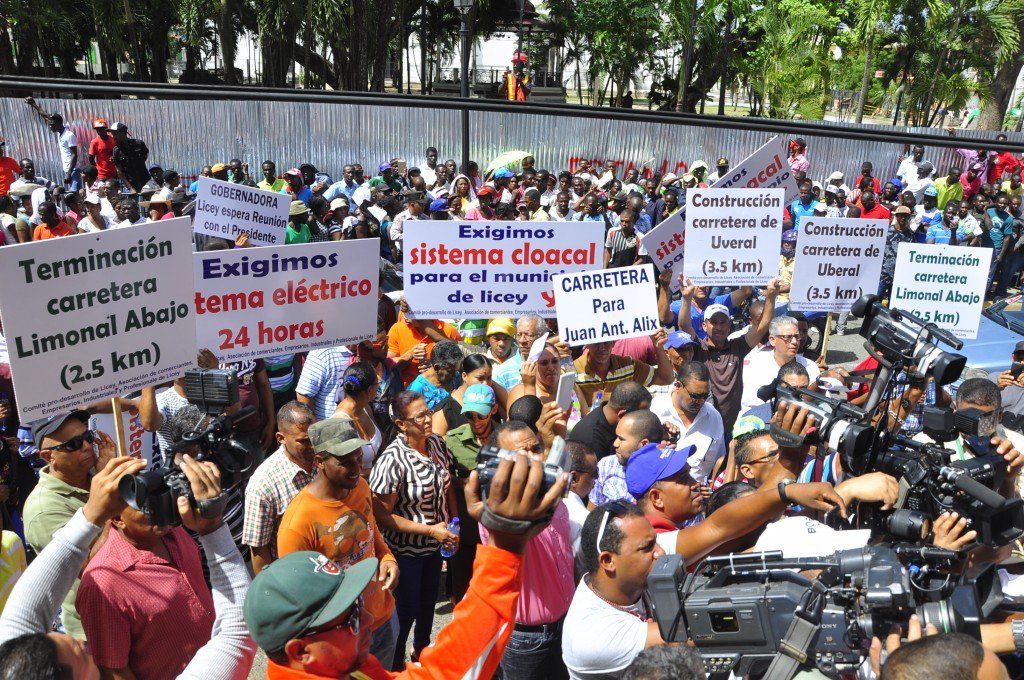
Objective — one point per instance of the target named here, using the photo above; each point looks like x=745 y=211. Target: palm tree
x=869 y=14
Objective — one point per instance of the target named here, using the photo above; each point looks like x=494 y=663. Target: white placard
x=254 y=302
x=838 y=259
x=766 y=168
x=140 y=444
x=471 y=270
x=665 y=243
x=97 y=315
x=942 y=284
x=225 y=210
x=733 y=236
x=606 y=304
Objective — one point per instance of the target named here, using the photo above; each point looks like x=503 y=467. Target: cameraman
x=28 y=651
x=610 y=619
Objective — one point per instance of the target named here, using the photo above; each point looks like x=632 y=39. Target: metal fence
x=187 y=134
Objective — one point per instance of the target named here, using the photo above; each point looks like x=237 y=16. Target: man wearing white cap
x=836 y=180
x=761 y=366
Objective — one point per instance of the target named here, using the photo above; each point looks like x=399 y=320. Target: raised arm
x=757 y=331
x=686 y=289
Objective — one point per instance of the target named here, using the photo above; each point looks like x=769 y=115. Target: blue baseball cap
x=789 y=236
x=383 y=166
x=503 y=173
x=651 y=464
x=438 y=205
x=479 y=399
x=931 y=191
x=678 y=340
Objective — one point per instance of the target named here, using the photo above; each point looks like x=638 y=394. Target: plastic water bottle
x=453 y=528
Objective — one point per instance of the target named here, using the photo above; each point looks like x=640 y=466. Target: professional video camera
x=748 y=614
x=490 y=456
x=156 y=492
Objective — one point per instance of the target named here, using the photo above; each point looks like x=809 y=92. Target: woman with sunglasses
x=359 y=385
x=413 y=501
x=439 y=379
x=476 y=370
x=540 y=378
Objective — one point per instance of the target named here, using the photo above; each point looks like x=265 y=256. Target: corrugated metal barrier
x=187 y=134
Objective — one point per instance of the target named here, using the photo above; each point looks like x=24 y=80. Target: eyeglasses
x=697 y=397
x=615 y=509
x=75 y=443
x=764 y=459
x=421 y=417
x=352 y=620
x=788 y=338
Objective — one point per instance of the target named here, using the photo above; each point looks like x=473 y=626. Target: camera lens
x=133 y=490
x=907 y=524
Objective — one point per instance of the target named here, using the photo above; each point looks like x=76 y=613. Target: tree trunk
x=865 y=83
x=228 y=41
x=1000 y=91
x=723 y=58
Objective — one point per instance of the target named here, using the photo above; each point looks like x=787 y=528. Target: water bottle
x=453 y=528
x=598 y=398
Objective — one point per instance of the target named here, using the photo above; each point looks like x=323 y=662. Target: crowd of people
x=363 y=503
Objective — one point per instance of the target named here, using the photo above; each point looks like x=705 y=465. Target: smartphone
x=403 y=166
x=1016 y=368
x=563 y=396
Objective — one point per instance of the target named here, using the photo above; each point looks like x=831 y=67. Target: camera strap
x=214 y=507
x=793 y=647
x=495 y=522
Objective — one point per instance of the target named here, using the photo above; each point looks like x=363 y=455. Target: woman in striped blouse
x=413 y=503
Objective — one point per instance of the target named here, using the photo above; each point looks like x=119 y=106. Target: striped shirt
x=271 y=488
x=620 y=369
x=420 y=483
x=617 y=242
x=320 y=375
x=168 y=402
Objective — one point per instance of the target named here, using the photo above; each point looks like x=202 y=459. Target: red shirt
x=8 y=169
x=103 y=151
x=43 y=232
x=143 y=612
x=860 y=178
x=1004 y=163
x=879 y=212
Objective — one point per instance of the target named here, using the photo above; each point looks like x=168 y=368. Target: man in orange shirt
x=307 y=613
x=333 y=515
x=52 y=225
x=410 y=341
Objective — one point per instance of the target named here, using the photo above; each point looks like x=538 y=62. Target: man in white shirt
x=689 y=408
x=762 y=365
x=67 y=144
x=429 y=168
x=129 y=213
x=414 y=210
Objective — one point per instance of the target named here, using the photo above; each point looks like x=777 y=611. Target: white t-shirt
x=760 y=368
x=65 y=141
x=600 y=640
x=706 y=433
x=7 y=223
x=577 y=516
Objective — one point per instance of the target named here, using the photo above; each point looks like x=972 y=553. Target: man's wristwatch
x=782 y=490
x=1017 y=627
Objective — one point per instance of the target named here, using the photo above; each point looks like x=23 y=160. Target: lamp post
x=464 y=7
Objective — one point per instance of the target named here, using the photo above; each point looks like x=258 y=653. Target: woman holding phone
x=541 y=379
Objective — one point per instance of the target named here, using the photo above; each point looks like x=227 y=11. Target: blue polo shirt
x=697 y=314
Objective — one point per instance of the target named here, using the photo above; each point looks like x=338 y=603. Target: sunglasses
x=351 y=621
x=475 y=416
x=75 y=443
x=788 y=338
x=615 y=509
x=697 y=397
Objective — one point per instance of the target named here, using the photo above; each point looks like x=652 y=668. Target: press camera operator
x=30 y=651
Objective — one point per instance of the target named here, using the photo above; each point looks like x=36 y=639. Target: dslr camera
x=156 y=492
x=490 y=456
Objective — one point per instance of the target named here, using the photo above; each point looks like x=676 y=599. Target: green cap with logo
x=336 y=436
x=299 y=593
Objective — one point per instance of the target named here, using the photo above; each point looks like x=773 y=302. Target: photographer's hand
x=949 y=531
x=816 y=495
x=204 y=479
x=893 y=642
x=671 y=434
x=1014 y=459
x=104 y=499
x=513 y=495
x=873 y=487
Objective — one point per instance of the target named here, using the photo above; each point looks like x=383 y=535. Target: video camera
x=752 y=613
x=156 y=492
x=491 y=456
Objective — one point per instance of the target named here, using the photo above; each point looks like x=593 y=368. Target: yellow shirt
x=12 y=564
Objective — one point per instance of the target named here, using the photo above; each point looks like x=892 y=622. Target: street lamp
x=464 y=8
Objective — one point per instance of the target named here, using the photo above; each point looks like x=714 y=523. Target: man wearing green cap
x=308 y=615
x=333 y=515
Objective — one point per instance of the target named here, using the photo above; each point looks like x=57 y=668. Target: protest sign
x=733 y=236
x=665 y=243
x=485 y=269
x=766 y=168
x=97 y=315
x=838 y=259
x=942 y=284
x=254 y=302
x=606 y=304
x=139 y=443
x=225 y=210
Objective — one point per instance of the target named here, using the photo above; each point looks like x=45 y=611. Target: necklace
x=625 y=610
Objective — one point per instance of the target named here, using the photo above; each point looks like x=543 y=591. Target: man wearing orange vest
x=516 y=84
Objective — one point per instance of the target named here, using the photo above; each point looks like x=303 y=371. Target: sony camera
x=741 y=611
x=839 y=425
x=156 y=492
x=490 y=456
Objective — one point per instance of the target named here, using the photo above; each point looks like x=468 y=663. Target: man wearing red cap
x=101 y=151
x=516 y=84
x=483 y=210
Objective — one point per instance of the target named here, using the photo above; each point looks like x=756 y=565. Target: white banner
x=733 y=236
x=140 y=444
x=607 y=304
x=838 y=259
x=942 y=284
x=766 y=168
x=469 y=270
x=665 y=243
x=254 y=302
x=225 y=210
x=97 y=315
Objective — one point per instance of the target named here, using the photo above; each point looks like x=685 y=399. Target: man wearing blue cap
x=664 y=488
x=439 y=209
x=501 y=181
x=928 y=213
